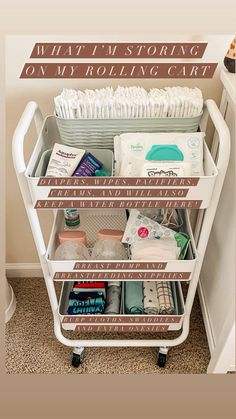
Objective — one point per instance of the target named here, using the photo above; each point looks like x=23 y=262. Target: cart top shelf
x=113 y=192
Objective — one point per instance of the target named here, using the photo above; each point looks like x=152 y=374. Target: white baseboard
x=206 y=318
x=10 y=309
x=23 y=270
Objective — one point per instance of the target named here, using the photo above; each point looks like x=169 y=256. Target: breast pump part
x=73 y=236
x=110 y=234
x=109 y=249
x=71 y=250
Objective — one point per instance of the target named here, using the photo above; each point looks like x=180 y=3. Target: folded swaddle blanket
x=165 y=298
x=158 y=298
x=113 y=300
x=134 y=297
x=150 y=300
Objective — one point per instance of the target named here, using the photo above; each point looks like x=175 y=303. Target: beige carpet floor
x=31 y=346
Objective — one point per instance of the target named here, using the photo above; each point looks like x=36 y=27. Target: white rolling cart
x=202 y=193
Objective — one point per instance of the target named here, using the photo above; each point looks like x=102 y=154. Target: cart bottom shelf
x=122 y=323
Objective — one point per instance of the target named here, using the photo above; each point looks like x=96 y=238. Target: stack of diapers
x=129 y=102
x=159 y=154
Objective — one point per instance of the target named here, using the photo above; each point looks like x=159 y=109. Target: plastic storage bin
x=99 y=133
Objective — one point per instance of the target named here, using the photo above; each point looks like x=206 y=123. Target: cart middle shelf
x=91 y=221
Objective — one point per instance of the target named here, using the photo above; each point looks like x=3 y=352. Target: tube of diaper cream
x=88 y=166
x=63 y=160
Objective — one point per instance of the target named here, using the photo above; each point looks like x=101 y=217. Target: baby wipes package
x=132 y=151
x=140 y=227
x=157 y=169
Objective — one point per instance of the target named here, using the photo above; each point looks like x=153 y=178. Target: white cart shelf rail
x=217 y=162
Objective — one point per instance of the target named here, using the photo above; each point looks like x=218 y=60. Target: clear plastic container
x=71 y=250
x=109 y=249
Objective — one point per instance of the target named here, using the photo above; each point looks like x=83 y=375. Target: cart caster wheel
x=76 y=361
x=161 y=360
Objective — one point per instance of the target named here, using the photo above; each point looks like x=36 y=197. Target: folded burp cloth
x=113 y=300
x=134 y=297
x=150 y=300
x=165 y=298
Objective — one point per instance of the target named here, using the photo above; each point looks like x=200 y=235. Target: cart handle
x=31 y=112
x=223 y=134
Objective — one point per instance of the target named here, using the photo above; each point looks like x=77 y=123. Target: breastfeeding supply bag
x=139 y=227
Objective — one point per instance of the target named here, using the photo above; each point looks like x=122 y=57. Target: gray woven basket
x=100 y=133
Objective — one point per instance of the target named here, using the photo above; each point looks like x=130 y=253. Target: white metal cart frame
x=220 y=152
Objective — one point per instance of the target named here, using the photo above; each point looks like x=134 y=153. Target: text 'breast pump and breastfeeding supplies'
x=159 y=154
